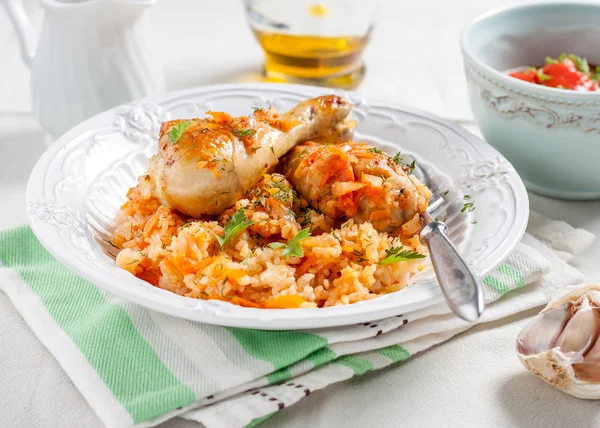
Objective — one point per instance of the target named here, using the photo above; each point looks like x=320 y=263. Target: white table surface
x=472 y=381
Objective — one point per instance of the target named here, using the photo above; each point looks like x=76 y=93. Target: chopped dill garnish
x=111 y=244
x=469 y=206
x=360 y=255
x=335 y=235
x=243 y=133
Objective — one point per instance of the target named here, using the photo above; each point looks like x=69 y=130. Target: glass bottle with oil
x=319 y=43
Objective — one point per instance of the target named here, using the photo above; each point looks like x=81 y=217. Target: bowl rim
x=505 y=79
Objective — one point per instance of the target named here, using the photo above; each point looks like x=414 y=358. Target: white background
x=474 y=380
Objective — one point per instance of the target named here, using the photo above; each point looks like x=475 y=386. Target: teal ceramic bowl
x=551 y=136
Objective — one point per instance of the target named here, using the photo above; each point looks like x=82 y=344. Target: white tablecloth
x=474 y=380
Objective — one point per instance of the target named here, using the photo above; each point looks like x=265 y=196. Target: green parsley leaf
x=581 y=63
x=238 y=223
x=293 y=247
x=597 y=73
x=396 y=254
x=397 y=159
x=410 y=167
x=177 y=131
x=469 y=206
x=242 y=133
x=467 y=197
x=543 y=77
x=375 y=150
x=550 y=60
x=474 y=222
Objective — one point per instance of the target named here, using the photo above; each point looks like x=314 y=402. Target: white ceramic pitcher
x=91 y=55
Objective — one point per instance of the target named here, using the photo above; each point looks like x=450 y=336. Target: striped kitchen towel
x=136 y=367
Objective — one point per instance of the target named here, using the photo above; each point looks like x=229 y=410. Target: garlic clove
x=580 y=332
x=562 y=344
x=542 y=332
x=589 y=370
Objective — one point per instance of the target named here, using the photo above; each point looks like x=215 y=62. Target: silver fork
x=460 y=286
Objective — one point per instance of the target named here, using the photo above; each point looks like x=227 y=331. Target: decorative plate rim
x=217 y=312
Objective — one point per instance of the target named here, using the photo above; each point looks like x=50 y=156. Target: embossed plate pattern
x=78 y=185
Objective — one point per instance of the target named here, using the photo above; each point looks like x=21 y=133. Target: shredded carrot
x=184 y=264
x=149 y=275
x=306 y=263
x=246 y=303
x=234 y=274
x=202 y=264
x=348 y=203
x=220 y=116
x=150 y=225
x=271 y=116
x=380 y=214
x=286 y=125
x=283 y=302
x=219 y=297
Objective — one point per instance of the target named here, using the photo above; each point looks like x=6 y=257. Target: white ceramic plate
x=78 y=185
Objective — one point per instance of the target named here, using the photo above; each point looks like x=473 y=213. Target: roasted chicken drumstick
x=357 y=181
x=202 y=164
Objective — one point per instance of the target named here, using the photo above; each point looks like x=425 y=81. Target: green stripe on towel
x=102 y=331
x=516 y=278
x=279 y=376
x=395 y=353
x=258 y=421
x=358 y=365
x=504 y=279
x=321 y=356
x=281 y=348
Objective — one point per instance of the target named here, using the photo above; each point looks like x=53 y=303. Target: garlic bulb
x=561 y=344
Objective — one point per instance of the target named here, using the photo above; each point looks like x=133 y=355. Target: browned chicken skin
x=356 y=181
x=213 y=160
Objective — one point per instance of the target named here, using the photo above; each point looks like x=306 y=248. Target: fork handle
x=461 y=288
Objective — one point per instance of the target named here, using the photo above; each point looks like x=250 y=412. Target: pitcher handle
x=24 y=28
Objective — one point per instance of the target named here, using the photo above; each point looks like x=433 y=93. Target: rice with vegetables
x=270 y=250
x=273 y=211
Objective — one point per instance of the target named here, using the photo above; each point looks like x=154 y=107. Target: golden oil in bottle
x=331 y=61
x=319 y=43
